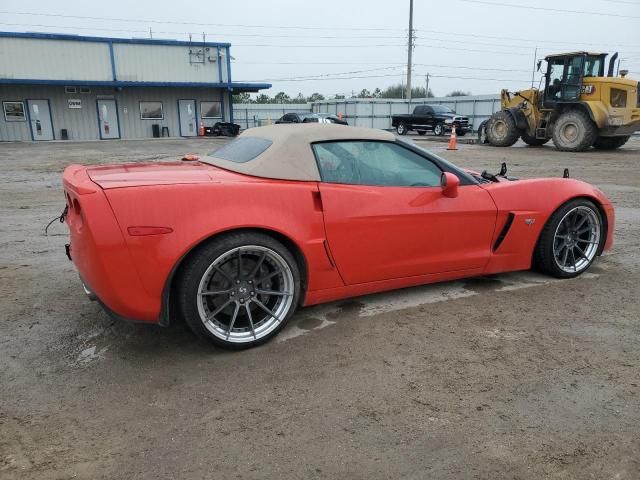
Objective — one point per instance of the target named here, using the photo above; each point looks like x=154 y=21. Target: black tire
x=482 y=133
x=574 y=131
x=421 y=132
x=439 y=129
x=610 y=143
x=402 y=128
x=544 y=258
x=533 y=141
x=197 y=267
x=502 y=130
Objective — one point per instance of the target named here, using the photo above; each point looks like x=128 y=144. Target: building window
x=14 y=111
x=69 y=89
x=151 y=111
x=85 y=90
x=210 y=110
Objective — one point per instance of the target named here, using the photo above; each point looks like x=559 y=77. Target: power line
x=623 y=2
x=393 y=75
x=218 y=34
x=174 y=22
x=547 y=9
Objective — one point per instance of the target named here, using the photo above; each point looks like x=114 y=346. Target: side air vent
x=504 y=231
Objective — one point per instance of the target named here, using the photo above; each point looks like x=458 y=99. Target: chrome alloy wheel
x=245 y=294
x=576 y=239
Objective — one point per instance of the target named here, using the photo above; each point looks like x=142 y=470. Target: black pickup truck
x=431 y=117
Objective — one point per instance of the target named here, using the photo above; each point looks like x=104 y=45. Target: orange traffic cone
x=201 y=129
x=453 y=140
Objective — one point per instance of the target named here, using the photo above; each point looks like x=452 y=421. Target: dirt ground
x=514 y=376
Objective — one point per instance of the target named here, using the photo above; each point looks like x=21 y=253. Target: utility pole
x=426 y=87
x=410 y=45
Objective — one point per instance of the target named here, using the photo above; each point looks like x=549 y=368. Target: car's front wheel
x=239 y=290
x=570 y=240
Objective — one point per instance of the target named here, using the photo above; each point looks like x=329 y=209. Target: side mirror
x=449 y=183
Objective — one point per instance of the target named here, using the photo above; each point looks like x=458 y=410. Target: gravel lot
x=513 y=376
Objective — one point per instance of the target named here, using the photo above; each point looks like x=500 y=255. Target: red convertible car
x=286 y=216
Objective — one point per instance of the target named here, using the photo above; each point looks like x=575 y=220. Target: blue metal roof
x=81 y=38
x=231 y=86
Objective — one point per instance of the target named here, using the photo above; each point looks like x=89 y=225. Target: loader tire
x=610 y=143
x=533 y=141
x=574 y=132
x=502 y=130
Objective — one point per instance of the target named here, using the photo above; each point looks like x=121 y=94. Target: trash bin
x=155 y=128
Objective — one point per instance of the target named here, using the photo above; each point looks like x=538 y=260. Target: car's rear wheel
x=439 y=129
x=570 y=240
x=402 y=129
x=239 y=290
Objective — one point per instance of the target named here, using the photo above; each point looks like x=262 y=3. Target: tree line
x=394 y=91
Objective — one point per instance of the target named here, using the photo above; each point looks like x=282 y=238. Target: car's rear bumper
x=98 y=250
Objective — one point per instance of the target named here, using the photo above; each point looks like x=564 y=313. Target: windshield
x=242 y=149
x=441 y=109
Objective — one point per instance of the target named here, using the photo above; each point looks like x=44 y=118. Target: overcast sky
x=489 y=42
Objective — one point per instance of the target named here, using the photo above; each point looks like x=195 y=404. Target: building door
x=188 y=122
x=108 y=119
x=40 y=120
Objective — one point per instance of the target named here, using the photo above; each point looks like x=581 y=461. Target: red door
x=379 y=232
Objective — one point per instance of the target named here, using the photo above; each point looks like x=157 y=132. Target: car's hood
x=166 y=173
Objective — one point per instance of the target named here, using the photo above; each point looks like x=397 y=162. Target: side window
x=374 y=163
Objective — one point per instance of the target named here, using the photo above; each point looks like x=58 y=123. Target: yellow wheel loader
x=579 y=107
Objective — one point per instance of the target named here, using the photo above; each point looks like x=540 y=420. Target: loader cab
x=563 y=80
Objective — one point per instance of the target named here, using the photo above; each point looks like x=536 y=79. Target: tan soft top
x=290 y=156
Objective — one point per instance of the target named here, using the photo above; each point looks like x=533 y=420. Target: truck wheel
x=610 y=143
x=439 y=129
x=502 y=130
x=574 y=132
x=482 y=133
x=402 y=129
x=533 y=141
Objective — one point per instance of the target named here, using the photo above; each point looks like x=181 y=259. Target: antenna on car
x=503 y=169
x=566 y=173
